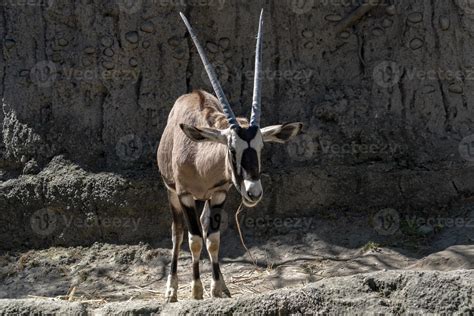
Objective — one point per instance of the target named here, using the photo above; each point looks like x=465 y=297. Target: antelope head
x=244 y=143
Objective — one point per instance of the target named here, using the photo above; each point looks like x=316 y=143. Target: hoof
x=197 y=291
x=227 y=292
x=171 y=295
x=171 y=299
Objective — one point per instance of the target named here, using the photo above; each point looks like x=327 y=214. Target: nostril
x=254 y=196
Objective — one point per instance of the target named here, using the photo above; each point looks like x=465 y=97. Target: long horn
x=257 y=86
x=211 y=73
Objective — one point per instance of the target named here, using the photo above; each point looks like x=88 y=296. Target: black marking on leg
x=215 y=222
x=174 y=265
x=199 y=206
x=196 y=274
x=192 y=221
x=216 y=271
x=215 y=218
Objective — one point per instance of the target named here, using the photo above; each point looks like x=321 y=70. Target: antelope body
x=203 y=151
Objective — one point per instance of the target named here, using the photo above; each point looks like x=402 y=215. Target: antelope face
x=244 y=147
x=244 y=152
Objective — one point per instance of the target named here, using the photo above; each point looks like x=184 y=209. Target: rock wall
x=386 y=97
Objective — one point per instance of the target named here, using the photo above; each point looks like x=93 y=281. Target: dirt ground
x=322 y=247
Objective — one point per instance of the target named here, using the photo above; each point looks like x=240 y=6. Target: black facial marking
x=234 y=164
x=247 y=134
x=250 y=163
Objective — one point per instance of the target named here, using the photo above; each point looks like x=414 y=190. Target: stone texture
x=373 y=137
x=393 y=292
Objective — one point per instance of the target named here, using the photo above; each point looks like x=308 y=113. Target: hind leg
x=177 y=230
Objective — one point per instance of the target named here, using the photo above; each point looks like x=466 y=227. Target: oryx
x=203 y=150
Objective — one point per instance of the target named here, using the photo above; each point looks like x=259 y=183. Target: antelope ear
x=203 y=134
x=281 y=133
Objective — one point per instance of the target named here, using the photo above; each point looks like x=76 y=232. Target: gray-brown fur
x=188 y=166
x=195 y=170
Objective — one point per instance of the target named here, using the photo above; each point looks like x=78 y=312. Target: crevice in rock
x=138 y=87
x=455 y=187
x=4 y=74
x=437 y=40
x=45 y=32
x=403 y=96
x=362 y=63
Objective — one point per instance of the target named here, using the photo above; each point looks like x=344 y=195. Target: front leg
x=177 y=228
x=195 y=241
x=212 y=217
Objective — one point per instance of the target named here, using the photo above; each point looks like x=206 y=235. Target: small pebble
x=391 y=10
x=307 y=33
x=309 y=45
x=213 y=48
x=63 y=42
x=108 y=65
x=107 y=41
x=133 y=62
x=456 y=88
x=148 y=27
x=108 y=52
x=444 y=23
x=132 y=37
x=333 y=18
x=415 y=17
x=387 y=23
x=224 y=42
x=345 y=35
x=9 y=43
x=416 y=43
x=89 y=50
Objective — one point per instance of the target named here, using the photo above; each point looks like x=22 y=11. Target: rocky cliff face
x=385 y=93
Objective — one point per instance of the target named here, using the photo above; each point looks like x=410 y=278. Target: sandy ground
x=292 y=256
